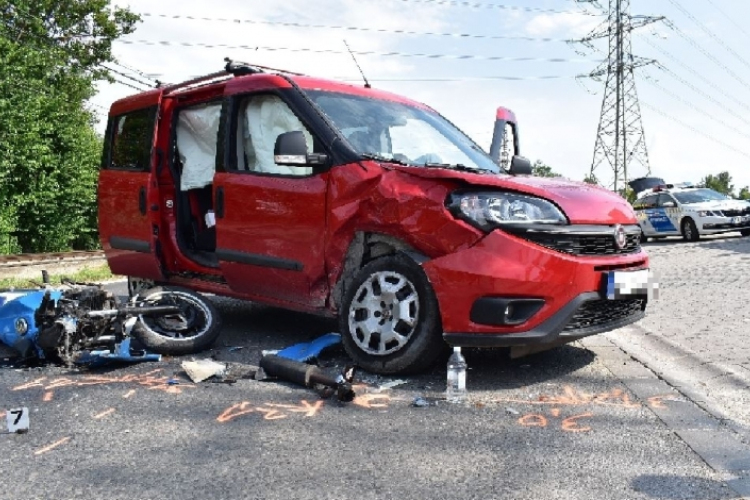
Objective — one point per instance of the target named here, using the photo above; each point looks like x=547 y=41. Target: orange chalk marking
x=234 y=411
x=52 y=446
x=570 y=424
x=533 y=420
x=104 y=413
x=310 y=410
x=571 y=397
x=555 y=412
x=149 y=380
x=656 y=402
x=370 y=400
x=129 y=393
x=270 y=414
x=48 y=396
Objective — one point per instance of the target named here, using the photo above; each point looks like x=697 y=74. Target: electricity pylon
x=620 y=141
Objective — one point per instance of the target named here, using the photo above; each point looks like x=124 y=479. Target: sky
x=695 y=102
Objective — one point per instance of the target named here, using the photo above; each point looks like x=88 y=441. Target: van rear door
x=128 y=192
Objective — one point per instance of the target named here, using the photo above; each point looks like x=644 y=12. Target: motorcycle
x=84 y=324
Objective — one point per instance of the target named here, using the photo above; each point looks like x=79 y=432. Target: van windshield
x=392 y=131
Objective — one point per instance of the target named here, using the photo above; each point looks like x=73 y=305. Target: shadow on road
x=257 y=328
x=675 y=487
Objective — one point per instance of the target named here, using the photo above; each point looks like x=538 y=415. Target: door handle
x=142 y=200
x=219 y=208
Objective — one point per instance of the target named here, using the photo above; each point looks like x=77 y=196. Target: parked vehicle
x=355 y=203
x=689 y=211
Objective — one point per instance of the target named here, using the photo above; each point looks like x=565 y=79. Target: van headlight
x=497 y=209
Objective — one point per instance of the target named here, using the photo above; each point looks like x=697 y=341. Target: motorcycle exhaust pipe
x=306 y=375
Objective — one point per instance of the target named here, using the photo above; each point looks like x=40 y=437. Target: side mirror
x=291 y=150
x=520 y=166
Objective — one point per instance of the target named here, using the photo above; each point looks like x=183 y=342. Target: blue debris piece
x=121 y=353
x=17 y=309
x=308 y=350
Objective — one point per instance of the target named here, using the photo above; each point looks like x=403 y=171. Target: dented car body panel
x=230 y=213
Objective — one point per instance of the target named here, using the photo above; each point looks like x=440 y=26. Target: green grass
x=87 y=275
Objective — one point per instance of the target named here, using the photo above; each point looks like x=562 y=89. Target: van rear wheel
x=390 y=319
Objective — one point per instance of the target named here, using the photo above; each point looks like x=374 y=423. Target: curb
x=710 y=436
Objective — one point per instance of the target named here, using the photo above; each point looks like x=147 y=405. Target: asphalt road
x=584 y=421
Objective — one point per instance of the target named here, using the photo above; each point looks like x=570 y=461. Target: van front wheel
x=390 y=319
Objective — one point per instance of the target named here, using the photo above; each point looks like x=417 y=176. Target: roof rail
x=194 y=81
x=231 y=69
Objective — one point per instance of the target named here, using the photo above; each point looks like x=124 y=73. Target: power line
x=697 y=74
x=710 y=33
x=692 y=105
x=125 y=75
x=478 y=5
x=710 y=137
x=728 y=17
x=362 y=53
x=704 y=94
x=129 y=68
x=703 y=51
x=358 y=28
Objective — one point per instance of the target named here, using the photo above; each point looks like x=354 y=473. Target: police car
x=689 y=211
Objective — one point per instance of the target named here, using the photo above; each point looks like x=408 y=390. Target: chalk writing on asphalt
x=278 y=411
x=569 y=424
x=572 y=397
x=150 y=380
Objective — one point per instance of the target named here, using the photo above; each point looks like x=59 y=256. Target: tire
x=745 y=232
x=201 y=324
x=644 y=238
x=689 y=230
x=423 y=342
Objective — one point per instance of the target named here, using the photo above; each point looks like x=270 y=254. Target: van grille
x=601 y=312
x=576 y=244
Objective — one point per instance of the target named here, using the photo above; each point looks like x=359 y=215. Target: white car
x=690 y=212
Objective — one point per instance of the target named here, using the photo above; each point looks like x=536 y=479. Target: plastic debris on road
x=309 y=350
x=203 y=369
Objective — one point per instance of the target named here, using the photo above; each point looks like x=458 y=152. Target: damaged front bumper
x=509 y=292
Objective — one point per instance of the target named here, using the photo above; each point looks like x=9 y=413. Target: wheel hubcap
x=384 y=313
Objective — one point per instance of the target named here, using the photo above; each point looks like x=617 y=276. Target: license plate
x=627 y=284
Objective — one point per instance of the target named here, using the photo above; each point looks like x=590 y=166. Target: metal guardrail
x=26 y=259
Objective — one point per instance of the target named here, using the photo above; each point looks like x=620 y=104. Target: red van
x=355 y=203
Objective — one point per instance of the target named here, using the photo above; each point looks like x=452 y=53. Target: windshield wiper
x=373 y=156
x=456 y=166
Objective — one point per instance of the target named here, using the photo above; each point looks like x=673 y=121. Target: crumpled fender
x=391 y=202
x=583 y=203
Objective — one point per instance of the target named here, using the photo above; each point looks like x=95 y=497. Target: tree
x=590 y=179
x=721 y=182
x=744 y=193
x=540 y=169
x=50 y=53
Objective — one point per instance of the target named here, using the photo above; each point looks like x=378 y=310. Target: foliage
x=540 y=169
x=629 y=194
x=744 y=193
x=721 y=182
x=49 y=151
x=591 y=179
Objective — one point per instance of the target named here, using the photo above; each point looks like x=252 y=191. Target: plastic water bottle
x=456 y=386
